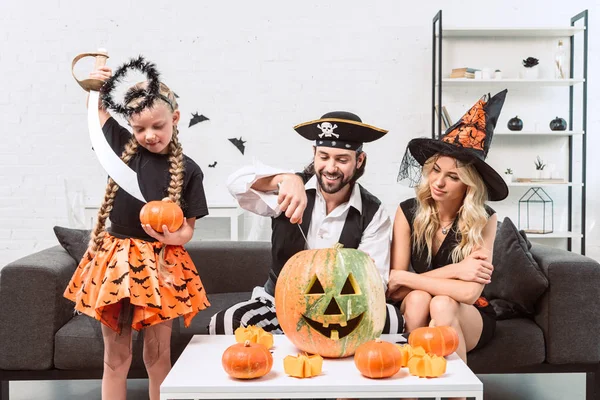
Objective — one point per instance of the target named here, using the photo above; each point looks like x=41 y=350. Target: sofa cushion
x=74 y=241
x=78 y=344
x=517 y=280
x=517 y=343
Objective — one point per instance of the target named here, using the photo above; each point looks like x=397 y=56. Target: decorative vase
x=558 y=124
x=508 y=178
x=515 y=124
x=539 y=173
x=531 y=73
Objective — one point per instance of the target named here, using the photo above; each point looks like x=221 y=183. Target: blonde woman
x=133 y=277
x=446 y=233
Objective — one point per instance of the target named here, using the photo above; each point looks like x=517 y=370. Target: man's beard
x=337 y=185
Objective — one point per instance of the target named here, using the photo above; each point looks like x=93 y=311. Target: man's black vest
x=287 y=240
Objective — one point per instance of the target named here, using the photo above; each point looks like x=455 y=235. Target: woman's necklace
x=445 y=228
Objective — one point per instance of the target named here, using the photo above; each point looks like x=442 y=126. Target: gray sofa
x=41 y=339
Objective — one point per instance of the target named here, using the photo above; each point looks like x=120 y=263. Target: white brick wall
x=255 y=69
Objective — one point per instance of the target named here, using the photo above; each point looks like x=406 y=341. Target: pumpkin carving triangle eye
x=315 y=287
x=350 y=286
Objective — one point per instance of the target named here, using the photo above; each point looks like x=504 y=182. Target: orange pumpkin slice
x=407 y=352
x=254 y=334
x=427 y=366
x=303 y=365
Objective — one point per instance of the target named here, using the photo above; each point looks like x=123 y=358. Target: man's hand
x=475 y=268
x=177 y=238
x=292 y=197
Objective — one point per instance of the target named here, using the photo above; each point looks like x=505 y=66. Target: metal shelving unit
x=577 y=29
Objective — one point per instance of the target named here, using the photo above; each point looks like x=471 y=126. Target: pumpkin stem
x=247 y=343
x=338 y=246
x=167 y=199
x=432 y=323
x=378 y=340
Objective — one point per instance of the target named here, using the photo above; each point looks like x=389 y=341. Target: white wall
x=255 y=69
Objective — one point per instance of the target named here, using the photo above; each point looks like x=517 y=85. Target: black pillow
x=517 y=280
x=74 y=241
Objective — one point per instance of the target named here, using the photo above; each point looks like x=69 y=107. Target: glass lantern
x=536 y=211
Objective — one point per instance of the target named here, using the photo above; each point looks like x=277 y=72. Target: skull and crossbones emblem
x=327 y=130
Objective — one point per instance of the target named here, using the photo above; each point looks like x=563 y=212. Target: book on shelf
x=444 y=121
x=465 y=72
x=446 y=116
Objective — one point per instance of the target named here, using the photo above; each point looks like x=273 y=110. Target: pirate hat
x=339 y=129
x=467 y=140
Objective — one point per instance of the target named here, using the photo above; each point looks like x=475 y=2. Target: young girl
x=447 y=232
x=132 y=276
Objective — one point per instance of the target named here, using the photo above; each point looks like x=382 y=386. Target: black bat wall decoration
x=239 y=144
x=212 y=165
x=196 y=119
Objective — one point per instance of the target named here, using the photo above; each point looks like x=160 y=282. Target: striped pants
x=260 y=311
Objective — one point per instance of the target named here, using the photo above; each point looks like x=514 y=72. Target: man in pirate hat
x=314 y=209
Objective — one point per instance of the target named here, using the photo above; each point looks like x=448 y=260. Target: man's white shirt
x=324 y=230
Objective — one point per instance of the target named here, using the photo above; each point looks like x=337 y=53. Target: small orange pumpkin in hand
x=427 y=366
x=255 y=334
x=303 y=366
x=247 y=360
x=378 y=359
x=438 y=340
x=159 y=213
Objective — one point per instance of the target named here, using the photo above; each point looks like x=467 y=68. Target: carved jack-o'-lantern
x=330 y=301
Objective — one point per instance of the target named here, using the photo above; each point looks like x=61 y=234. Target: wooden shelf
x=510 y=82
x=554 y=235
x=538 y=133
x=547 y=32
x=537 y=184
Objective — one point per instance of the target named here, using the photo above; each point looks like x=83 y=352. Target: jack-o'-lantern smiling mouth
x=335 y=331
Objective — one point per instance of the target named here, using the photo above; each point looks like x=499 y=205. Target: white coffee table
x=198 y=374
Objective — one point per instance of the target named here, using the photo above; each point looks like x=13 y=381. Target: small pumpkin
x=329 y=301
x=255 y=334
x=515 y=124
x=247 y=360
x=438 y=340
x=378 y=359
x=558 y=124
x=427 y=366
x=303 y=365
x=407 y=352
x=163 y=212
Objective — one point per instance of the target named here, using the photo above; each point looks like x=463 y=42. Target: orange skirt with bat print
x=128 y=269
